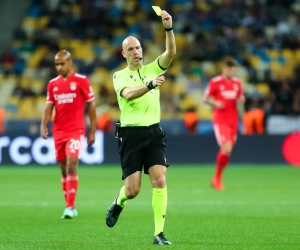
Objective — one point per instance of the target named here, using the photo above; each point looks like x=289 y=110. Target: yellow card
x=157 y=10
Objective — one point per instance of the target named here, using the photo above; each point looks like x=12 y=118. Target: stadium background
x=262 y=35
x=259 y=208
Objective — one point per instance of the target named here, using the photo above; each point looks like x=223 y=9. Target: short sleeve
x=210 y=89
x=156 y=67
x=120 y=82
x=50 y=97
x=87 y=91
x=240 y=89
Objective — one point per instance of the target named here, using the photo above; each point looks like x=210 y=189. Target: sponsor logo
x=229 y=94
x=23 y=150
x=65 y=98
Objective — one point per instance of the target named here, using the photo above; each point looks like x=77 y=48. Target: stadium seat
x=273 y=54
x=178 y=89
x=85 y=51
x=37 y=85
x=188 y=102
x=114 y=113
x=25 y=82
x=37 y=57
x=40 y=104
x=263 y=88
x=42 y=22
x=287 y=54
x=26 y=108
x=204 y=113
x=12 y=104
x=95 y=87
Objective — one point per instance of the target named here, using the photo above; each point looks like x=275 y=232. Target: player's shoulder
x=236 y=80
x=216 y=79
x=80 y=76
x=54 y=80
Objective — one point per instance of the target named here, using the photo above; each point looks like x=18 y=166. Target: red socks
x=221 y=163
x=71 y=188
x=64 y=186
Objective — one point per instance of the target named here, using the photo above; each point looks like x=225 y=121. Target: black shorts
x=141 y=147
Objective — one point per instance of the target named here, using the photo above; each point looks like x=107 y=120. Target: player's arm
x=91 y=109
x=241 y=97
x=166 y=58
x=212 y=102
x=209 y=97
x=89 y=97
x=46 y=119
x=241 y=100
x=47 y=116
x=131 y=93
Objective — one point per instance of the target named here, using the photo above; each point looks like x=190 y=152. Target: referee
x=141 y=140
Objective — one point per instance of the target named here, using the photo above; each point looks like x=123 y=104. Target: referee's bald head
x=130 y=41
x=132 y=51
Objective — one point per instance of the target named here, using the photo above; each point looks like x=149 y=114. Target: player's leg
x=72 y=183
x=130 y=151
x=223 y=135
x=155 y=165
x=72 y=149
x=63 y=168
x=60 y=144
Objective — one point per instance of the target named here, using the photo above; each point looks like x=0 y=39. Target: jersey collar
x=67 y=79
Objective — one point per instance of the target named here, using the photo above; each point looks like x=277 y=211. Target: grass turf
x=258 y=210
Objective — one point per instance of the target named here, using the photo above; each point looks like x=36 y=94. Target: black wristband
x=149 y=85
x=168 y=29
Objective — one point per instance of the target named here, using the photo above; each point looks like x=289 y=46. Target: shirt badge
x=73 y=85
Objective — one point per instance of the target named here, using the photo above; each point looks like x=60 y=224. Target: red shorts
x=225 y=133
x=68 y=145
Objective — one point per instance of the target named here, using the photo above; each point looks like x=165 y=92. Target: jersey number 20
x=75 y=144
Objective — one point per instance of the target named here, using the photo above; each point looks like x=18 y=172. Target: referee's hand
x=159 y=80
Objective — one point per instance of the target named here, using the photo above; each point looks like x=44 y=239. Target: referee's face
x=132 y=51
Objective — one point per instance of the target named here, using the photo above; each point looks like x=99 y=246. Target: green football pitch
x=259 y=209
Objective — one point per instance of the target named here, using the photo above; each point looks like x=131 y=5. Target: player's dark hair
x=230 y=62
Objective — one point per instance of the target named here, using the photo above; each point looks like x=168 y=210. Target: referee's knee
x=132 y=191
x=159 y=181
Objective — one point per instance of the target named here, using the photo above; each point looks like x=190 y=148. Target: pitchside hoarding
x=24 y=150
x=18 y=149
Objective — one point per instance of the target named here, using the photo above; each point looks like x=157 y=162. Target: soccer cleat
x=75 y=213
x=160 y=239
x=217 y=184
x=69 y=213
x=113 y=213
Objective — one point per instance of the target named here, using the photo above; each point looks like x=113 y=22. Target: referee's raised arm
x=166 y=58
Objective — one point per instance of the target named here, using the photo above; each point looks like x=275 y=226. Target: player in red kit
x=223 y=93
x=68 y=93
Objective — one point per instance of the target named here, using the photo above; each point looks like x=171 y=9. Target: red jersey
x=227 y=92
x=69 y=96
